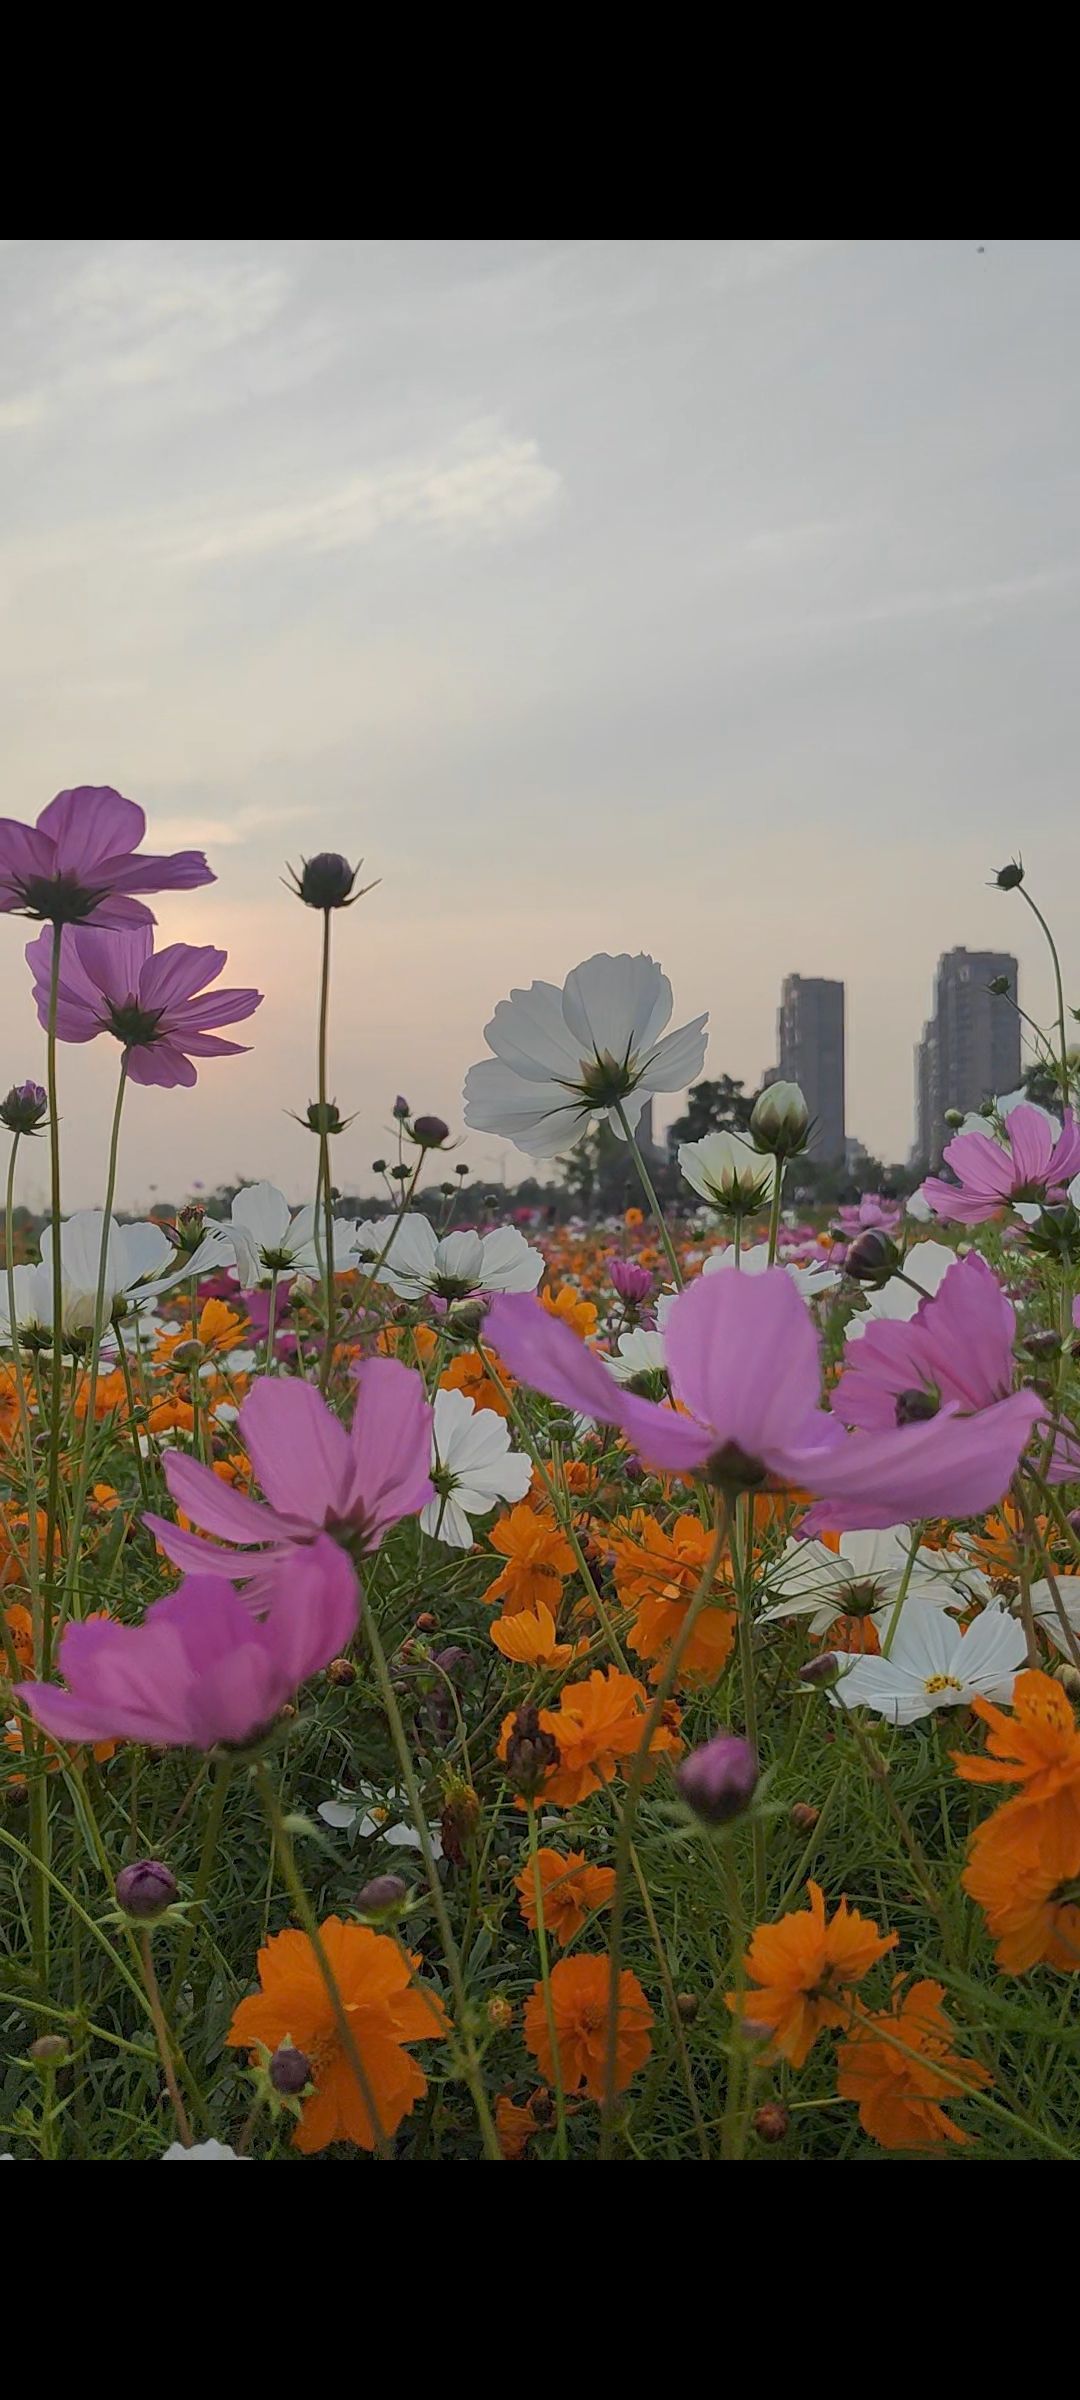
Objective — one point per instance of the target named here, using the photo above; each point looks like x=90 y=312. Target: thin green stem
x=645 y=1180
x=469 y=2058
x=211 y=1837
x=89 y=1421
x=162 y=2037
x=326 y=1186
x=1062 y=1036
x=545 y=1978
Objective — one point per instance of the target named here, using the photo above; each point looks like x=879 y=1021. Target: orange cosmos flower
x=528 y=1638
x=385 y=2012
x=110 y=1393
x=659 y=1571
x=899 y=2095
x=571 y=1891
x=568 y=1305
x=1037 y=1746
x=1026 y=1876
x=412 y=1342
x=21 y=1630
x=171 y=1416
x=515 y=2124
x=633 y=1216
x=597 y=1724
x=537 y=1555
x=468 y=1374
x=219 y=1328
x=579 y=2002
x=804 y=1964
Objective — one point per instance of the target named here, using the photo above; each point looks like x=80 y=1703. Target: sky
x=715 y=599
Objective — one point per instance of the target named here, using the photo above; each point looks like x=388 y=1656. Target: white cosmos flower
x=729 y=1172
x=204 y=2150
x=371 y=1812
x=269 y=1240
x=641 y=1352
x=810 y=1281
x=140 y=1263
x=976 y=1122
x=927 y=1264
x=862 y=1579
x=418 y=1261
x=918 y=1206
x=565 y=1059
x=472 y=1466
x=933 y=1665
x=1045 y=1613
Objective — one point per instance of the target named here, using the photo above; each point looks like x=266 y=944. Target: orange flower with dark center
x=579 y=2005
x=901 y=2067
x=568 y=1305
x=570 y=1891
x=1037 y=1746
x=597 y=1725
x=805 y=1964
x=1024 y=1871
x=528 y=1638
x=538 y=1557
x=219 y=1328
x=385 y=2012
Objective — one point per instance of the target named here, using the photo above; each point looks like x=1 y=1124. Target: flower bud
x=426 y=1622
x=728 y=1173
x=188 y=1354
x=145 y=1889
x=804 y=1816
x=1069 y=1678
x=400 y=1109
x=430 y=1132
x=872 y=1258
x=500 y=2015
x=780 y=1120
x=688 y=2005
x=378 y=1166
x=1044 y=1343
x=325 y=881
x=324 y=1116
x=460 y=1818
x=25 y=1108
x=825 y=1670
x=530 y=1754
x=341 y=1673
x=633 y=1284
x=999 y=985
x=382 y=1897
x=49 y=2050
x=1008 y=877
x=461 y=1170
x=718 y=1781
x=771 y=2122
x=289 y=2071
x=954 y=1117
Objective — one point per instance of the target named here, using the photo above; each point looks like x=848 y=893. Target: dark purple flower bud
x=401 y=1109
x=25 y=1108
x=824 y=1670
x=378 y=1166
x=1008 y=877
x=326 y=880
x=917 y=1406
x=430 y=1132
x=145 y=1889
x=1043 y=1344
x=530 y=1754
x=633 y=1283
x=289 y=2071
x=719 y=1780
x=999 y=986
x=872 y=1258
x=382 y=1897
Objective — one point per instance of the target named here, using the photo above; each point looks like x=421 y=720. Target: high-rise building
x=810 y=1043
x=970 y=1048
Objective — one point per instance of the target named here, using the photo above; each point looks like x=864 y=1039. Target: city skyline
x=689 y=597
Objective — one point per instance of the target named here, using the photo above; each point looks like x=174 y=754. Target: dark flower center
x=452 y=1287
x=58 y=900
x=133 y=1025
x=732 y=1466
x=916 y=1406
x=860 y=1599
x=1067 y=1895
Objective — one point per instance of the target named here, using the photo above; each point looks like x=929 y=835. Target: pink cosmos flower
x=317 y=1477
x=870 y=1210
x=744 y=1360
x=80 y=861
x=202 y=1668
x=1032 y=1162
x=154 y=1003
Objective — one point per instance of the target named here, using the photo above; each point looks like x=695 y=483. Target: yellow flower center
x=942 y=1683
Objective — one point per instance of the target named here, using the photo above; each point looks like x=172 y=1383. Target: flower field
x=526 y=1690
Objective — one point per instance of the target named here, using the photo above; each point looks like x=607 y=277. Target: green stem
x=545 y=1978
x=207 y=1855
x=671 y=2002
x=742 y=1552
x=403 y=1754
x=917 y=1532
x=25 y=1427
x=86 y=1460
x=1063 y=1040
x=645 y=1181
x=162 y=2038
x=635 y=1782
x=774 y=1212
x=56 y=1382
x=309 y=1921
x=324 y=1155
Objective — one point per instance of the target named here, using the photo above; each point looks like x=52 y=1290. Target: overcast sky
x=714 y=599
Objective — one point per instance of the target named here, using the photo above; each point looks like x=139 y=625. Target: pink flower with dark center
x=743 y=1357
x=151 y=1002
x=317 y=1477
x=1030 y=1164
x=81 y=862
x=202 y=1668
x=870 y=1210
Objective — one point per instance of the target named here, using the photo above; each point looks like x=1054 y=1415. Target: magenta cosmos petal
x=542 y=1352
x=948 y=1466
x=743 y=1356
x=299 y=1451
x=390 y=1445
